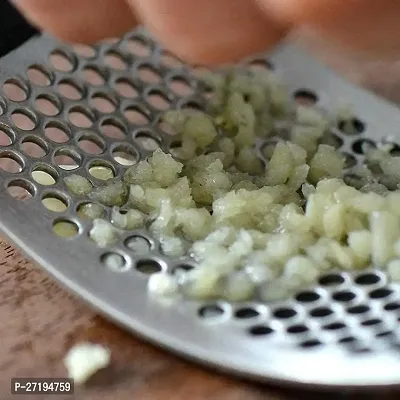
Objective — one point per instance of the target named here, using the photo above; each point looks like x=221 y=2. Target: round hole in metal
x=148 y=74
x=359 y=145
x=310 y=343
x=297 y=329
x=331 y=280
x=47 y=105
x=305 y=97
x=15 y=90
x=371 y=322
x=80 y=117
x=7 y=136
x=180 y=86
x=90 y=143
x=360 y=309
x=23 y=119
x=352 y=126
x=137 y=46
x=113 y=129
x=114 y=262
x=344 y=296
x=67 y=159
x=148 y=267
x=334 y=326
x=170 y=60
x=308 y=297
x=393 y=306
x=158 y=100
x=54 y=202
x=103 y=103
x=192 y=105
x=2 y=107
x=70 y=89
x=321 y=312
x=246 y=313
x=84 y=51
x=57 y=132
x=368 y=279
x=147 y=141
x=93 y=76
x=61 y=61
x=260 y=330
x=125 y=88
x=138 y=244
x=261 y=63
x=65 y=228
x=114 y=60
x=125 y=155
x=211 y=311
x=384 y=334
x=11 y=162
x=21 y=189
x=44 y=175
x=101 y=170
x=34 y=147
x=136 y=115
x=348 y=340
x=39 y=75
x=380 y=293
x=182 y=269
x=285 y=313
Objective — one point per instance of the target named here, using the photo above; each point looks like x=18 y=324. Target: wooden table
x=40 y=322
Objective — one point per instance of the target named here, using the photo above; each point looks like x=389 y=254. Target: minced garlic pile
x=254 y=229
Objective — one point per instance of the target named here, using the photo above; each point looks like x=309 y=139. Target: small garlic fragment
x=78 y=185
x=103 y=233
x=84 y=360
x=163 y=284
x=393 y=269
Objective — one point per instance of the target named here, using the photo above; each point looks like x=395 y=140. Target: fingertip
x=83 y=21
x=226 y=53
x=209 y=33
x=367 y=27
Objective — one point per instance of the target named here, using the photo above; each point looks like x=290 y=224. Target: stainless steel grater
x=342 y=333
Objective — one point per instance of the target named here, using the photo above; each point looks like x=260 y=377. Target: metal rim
x=123 y=297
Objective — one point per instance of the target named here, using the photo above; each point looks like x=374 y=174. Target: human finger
x=368 y=26
x=84 y=21
x=209 y=31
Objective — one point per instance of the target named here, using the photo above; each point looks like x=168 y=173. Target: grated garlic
x=254 y=228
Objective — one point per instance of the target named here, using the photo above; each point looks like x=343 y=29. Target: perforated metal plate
x=343 y=332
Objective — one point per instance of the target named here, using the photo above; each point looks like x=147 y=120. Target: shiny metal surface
x=344 y=332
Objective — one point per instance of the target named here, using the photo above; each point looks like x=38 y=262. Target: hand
x=214 y=31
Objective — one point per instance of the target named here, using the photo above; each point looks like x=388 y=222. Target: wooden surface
x=40 y=322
